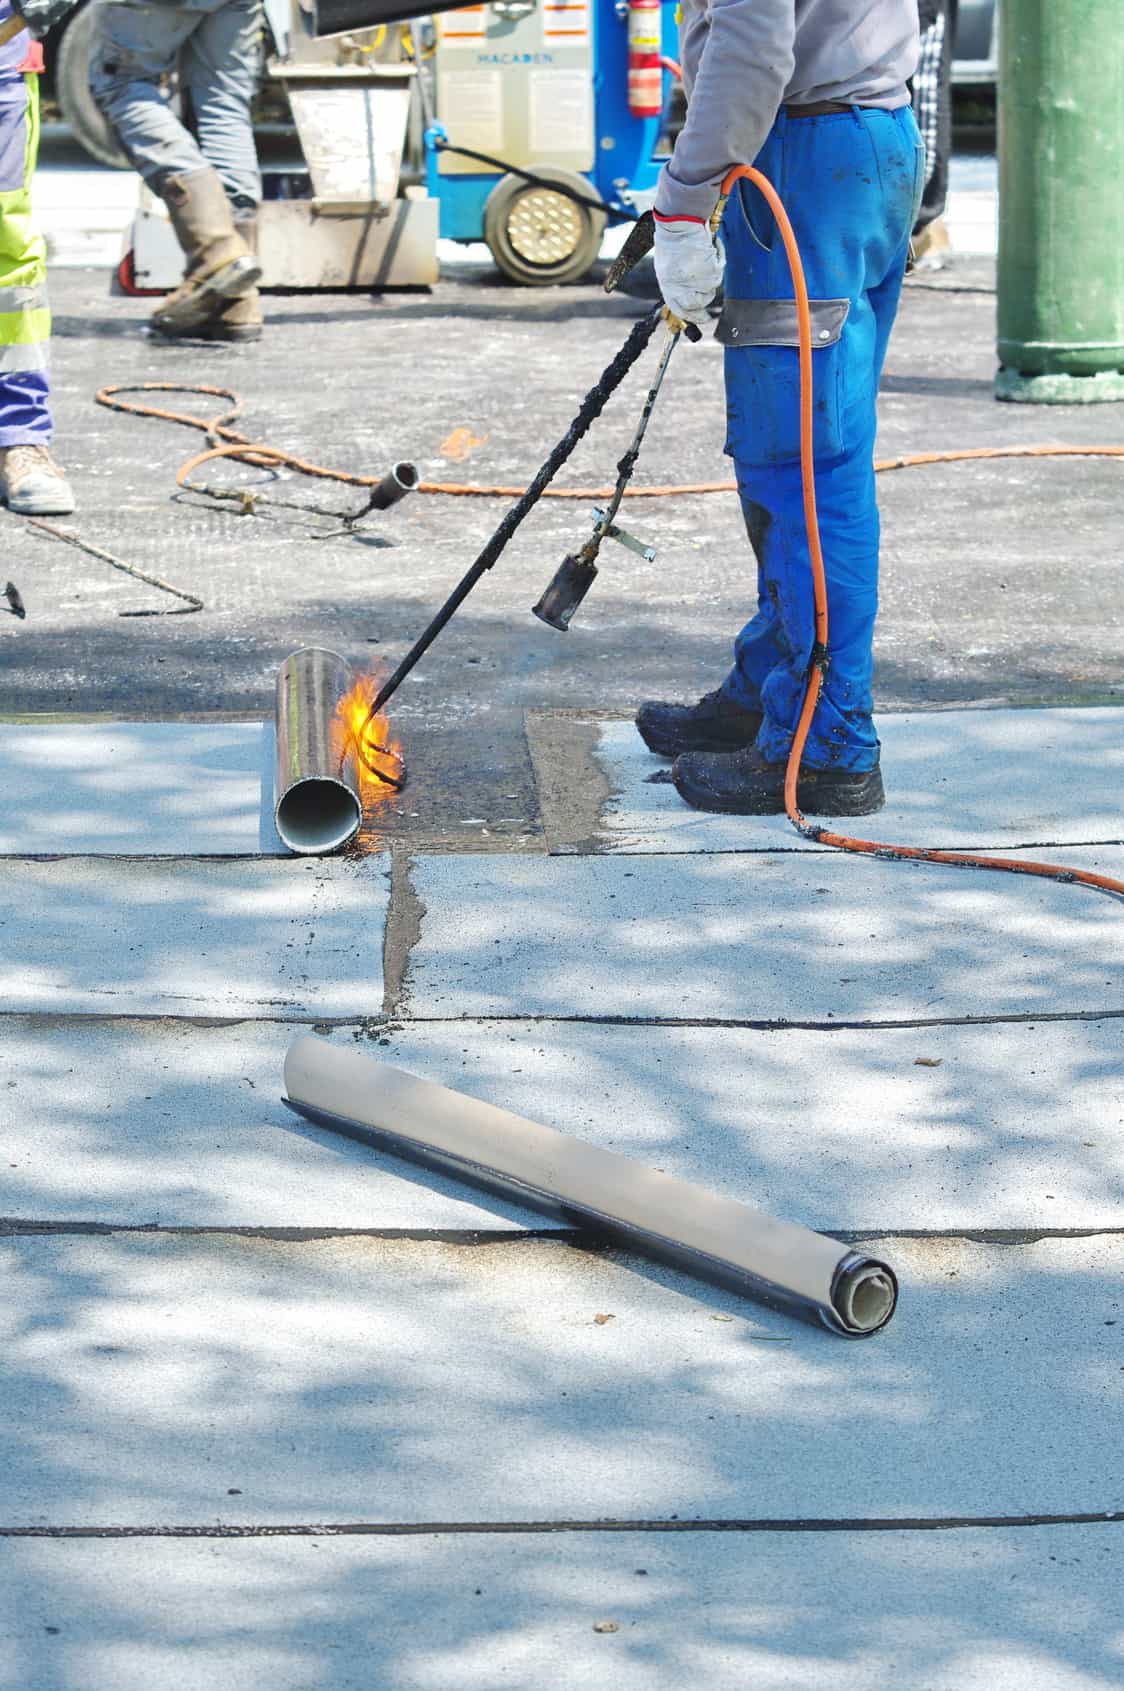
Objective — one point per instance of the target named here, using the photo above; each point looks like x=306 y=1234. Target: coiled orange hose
x=817 y=668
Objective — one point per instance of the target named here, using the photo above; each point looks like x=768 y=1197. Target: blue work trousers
x=850 y=182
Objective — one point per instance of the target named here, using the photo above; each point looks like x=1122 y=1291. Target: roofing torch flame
x=381 y=765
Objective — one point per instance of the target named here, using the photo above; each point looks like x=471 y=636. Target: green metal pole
x=1061 y=201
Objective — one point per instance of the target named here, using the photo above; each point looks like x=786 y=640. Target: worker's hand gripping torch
x=578 y=570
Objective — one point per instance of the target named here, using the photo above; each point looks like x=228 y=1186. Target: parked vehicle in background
x=974 y=50
x=68 y=53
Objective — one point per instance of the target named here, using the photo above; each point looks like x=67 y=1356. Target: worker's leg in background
x=134 y=50
x=850 y=182
x=136 y=45
x=932 y=107
x=221 y=67
x=30 y=482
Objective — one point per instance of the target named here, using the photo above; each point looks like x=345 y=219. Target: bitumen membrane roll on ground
x=663 y=1217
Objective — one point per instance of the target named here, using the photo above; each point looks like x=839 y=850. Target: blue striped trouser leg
x=25 y=317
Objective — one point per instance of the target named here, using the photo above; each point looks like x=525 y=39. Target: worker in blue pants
x=814 y=93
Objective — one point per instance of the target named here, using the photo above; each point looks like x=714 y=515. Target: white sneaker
x=32 y=484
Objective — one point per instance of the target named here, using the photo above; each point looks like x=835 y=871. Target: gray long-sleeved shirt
x=743 y=59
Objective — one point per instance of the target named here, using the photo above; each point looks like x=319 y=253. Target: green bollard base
x=1058 y=388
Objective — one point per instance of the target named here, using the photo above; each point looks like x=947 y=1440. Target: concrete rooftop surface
x=283 y=1413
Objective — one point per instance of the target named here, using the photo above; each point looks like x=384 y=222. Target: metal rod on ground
x=711 y=1236
x=592 y=406
x=317 y=807
x=72 y=539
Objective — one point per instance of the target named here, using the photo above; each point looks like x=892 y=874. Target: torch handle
x=676 y=324
x=12 y=27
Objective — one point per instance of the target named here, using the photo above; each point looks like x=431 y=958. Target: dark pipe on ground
x=317 y=807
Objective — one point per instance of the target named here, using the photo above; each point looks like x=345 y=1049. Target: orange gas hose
x=819 y=660
x=227 y=442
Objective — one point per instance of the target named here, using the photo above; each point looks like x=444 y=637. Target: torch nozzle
x=399 y=480
x=569 y=585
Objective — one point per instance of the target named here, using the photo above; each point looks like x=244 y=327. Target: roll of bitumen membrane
x=643 y=1209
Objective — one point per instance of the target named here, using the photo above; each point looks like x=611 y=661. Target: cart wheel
x=539 y=237
x=127 y=280
x=72 y=90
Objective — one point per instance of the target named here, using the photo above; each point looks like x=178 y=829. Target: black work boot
x=715 y=724
x=744 y=784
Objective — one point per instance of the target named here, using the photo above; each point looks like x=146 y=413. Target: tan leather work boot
x=220 y=266
x=239 y=319
x=932 y=247
x=32 y=484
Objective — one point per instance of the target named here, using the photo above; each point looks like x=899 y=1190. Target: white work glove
x=690 y=263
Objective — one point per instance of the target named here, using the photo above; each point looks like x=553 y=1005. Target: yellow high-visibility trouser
x=25 y=316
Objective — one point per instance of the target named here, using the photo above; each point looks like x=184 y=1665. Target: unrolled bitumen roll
x=715 y=1237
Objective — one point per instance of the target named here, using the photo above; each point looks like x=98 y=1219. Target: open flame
x=381 y=766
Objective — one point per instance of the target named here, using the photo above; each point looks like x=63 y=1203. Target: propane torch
x=577 y=572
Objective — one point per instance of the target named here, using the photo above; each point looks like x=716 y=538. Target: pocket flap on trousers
x=772 y=322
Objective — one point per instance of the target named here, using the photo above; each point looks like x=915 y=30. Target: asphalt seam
x=419 y=1529
x=389 y=1021
x=401 y=932
x=29 y=1227
x=611 y=845
x=598 y=845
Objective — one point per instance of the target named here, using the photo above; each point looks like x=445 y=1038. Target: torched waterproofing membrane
x=316 y=785
x=666 y=1218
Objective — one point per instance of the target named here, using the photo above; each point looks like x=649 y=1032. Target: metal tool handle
x=11 y=28
x=678 y=326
